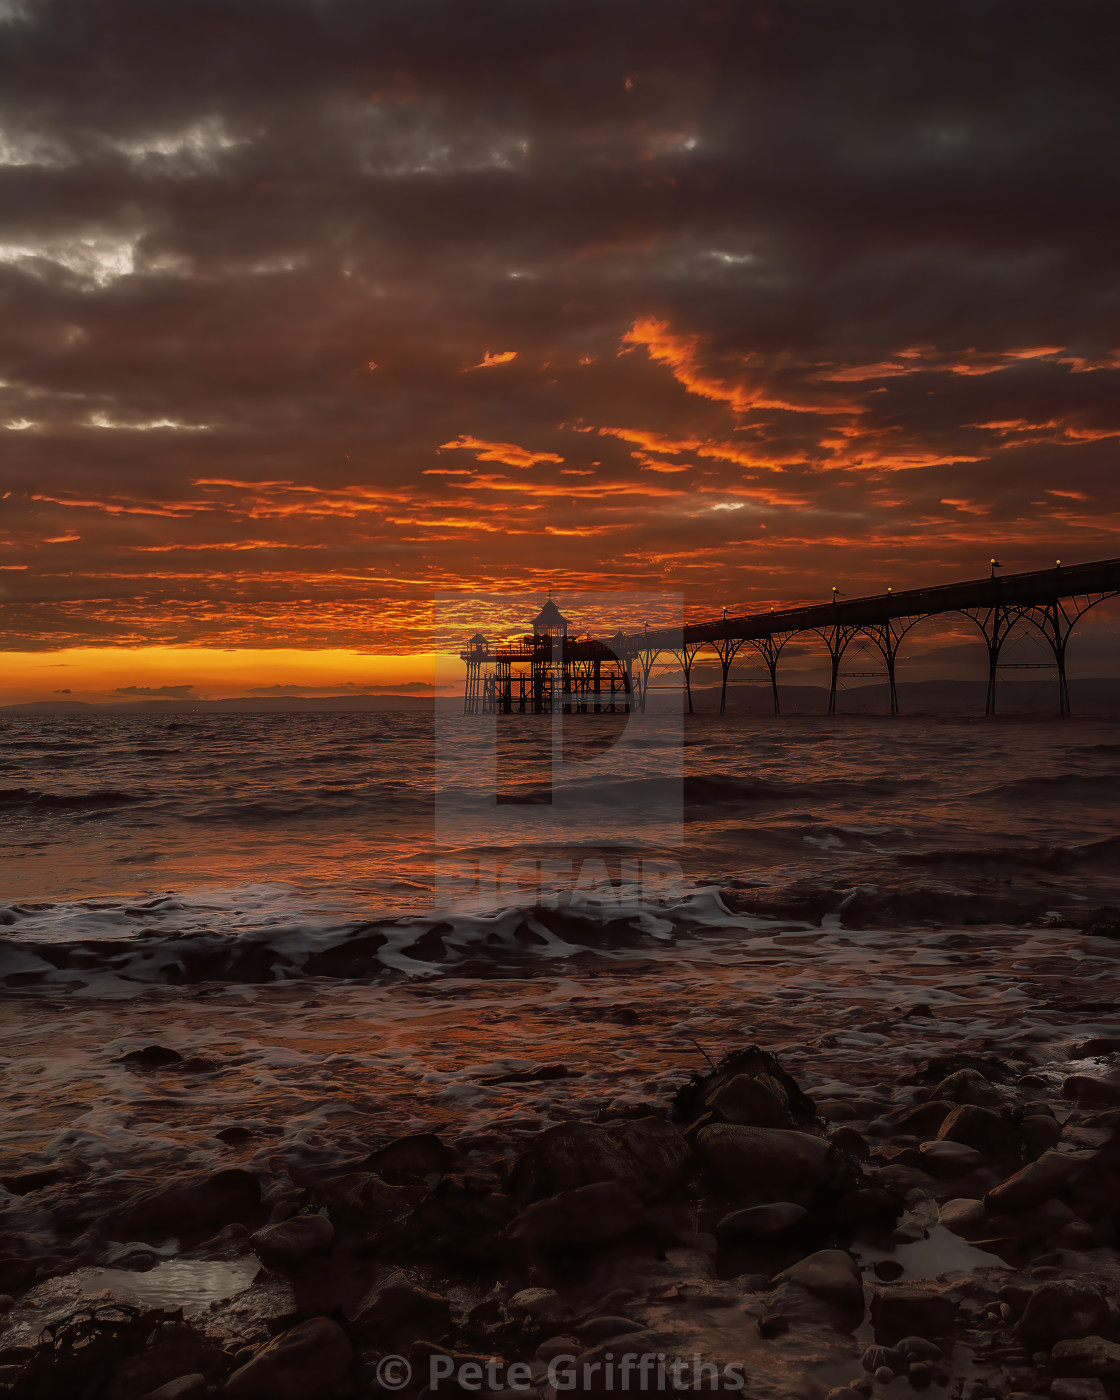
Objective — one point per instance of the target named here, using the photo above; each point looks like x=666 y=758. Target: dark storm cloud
x=768 y=292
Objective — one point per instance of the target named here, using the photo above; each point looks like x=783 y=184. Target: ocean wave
x=1073 y=787
x=504 y=941
x=31 y=797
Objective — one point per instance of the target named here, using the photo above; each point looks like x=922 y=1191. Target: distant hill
x=270 y=704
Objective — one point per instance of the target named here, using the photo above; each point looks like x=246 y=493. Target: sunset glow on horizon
x=281 y=364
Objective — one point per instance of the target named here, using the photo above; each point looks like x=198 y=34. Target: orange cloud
x=506 y=452
x=488 y=361
x=681 y=354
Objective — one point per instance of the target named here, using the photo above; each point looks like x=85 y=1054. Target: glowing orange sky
x=275 y=372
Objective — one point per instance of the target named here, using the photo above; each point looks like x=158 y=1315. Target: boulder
x=1086 y=1356
x=407 y=1160
x=948 y=1159
x=982 y=1128
x=831 y=1275
x=965 y=1217
x=924 y=1119
x=291 y=1242
x=968 y=1086
x=543 y=1305
x=1060 y=1310
x=766 y=1164
x=902 y=1311
x=177 y=1353
x=760 y=1222
x=1085 y=1088
x=192 y=1208
x=362 y=1205
x=647 y=1155
x=1038 y=1181
x=658 y=1155
x=755 y=1101
x=585 y=1218
x=702 y=1091
x=1084 y=1388
x=1038 y=1132
x=398 y=1313
x=304 y=1363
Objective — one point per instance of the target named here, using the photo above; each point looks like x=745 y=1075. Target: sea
x=337 y=927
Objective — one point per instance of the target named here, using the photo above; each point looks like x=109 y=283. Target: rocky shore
x=957 y=1236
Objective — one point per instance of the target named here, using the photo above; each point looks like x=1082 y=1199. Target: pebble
x=7 y=1302
x=772 y=1325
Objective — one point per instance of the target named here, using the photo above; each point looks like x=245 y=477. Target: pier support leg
x=726 y=648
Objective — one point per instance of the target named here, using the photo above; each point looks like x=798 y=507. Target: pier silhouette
x=545 y=671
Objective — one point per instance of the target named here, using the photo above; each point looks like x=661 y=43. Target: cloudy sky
x=313 y=310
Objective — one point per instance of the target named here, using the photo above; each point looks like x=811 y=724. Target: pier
x=544 y=671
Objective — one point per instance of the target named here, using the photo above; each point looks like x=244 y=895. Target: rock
x=888 y=1270
x=601 y=1329
x=918 y=1349
x=291 y=1242
x=847 y=1140
x=964 y=1216
x=647 y=1155
x=968 y=1086
x=884 y=1375
x=192 y=1208
x=559 y=1346
x=776 y=1088
x=1059 y=1310
x=947 y=1159
x=16 y=1274
x=1038 y=1181
x=398 y=1313
x=1039 y=1131
x=182 y=1389
x=151 y=1057
x=543 y=1305
x=768 y=1164
x=982 y=1128
x=460 y=1222
x=874 y=1358
x=1094 y=1048
x=772 y=1325
x=407 y=1160
x=1066 y=1389
x=1086 y=1356
x=304 y=1363
x=585 y=1218
x=831 y=1275
x=1084 y=1088
x=7 y=1303
x=760 y=1222
x=844 y=1392
x=925 y=1119
x=658 y=1155
x=901 y=1310
x=177 y=1352
x=752 y=1101
x=368 y=1209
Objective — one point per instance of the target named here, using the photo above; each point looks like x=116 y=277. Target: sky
x=317 y=312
